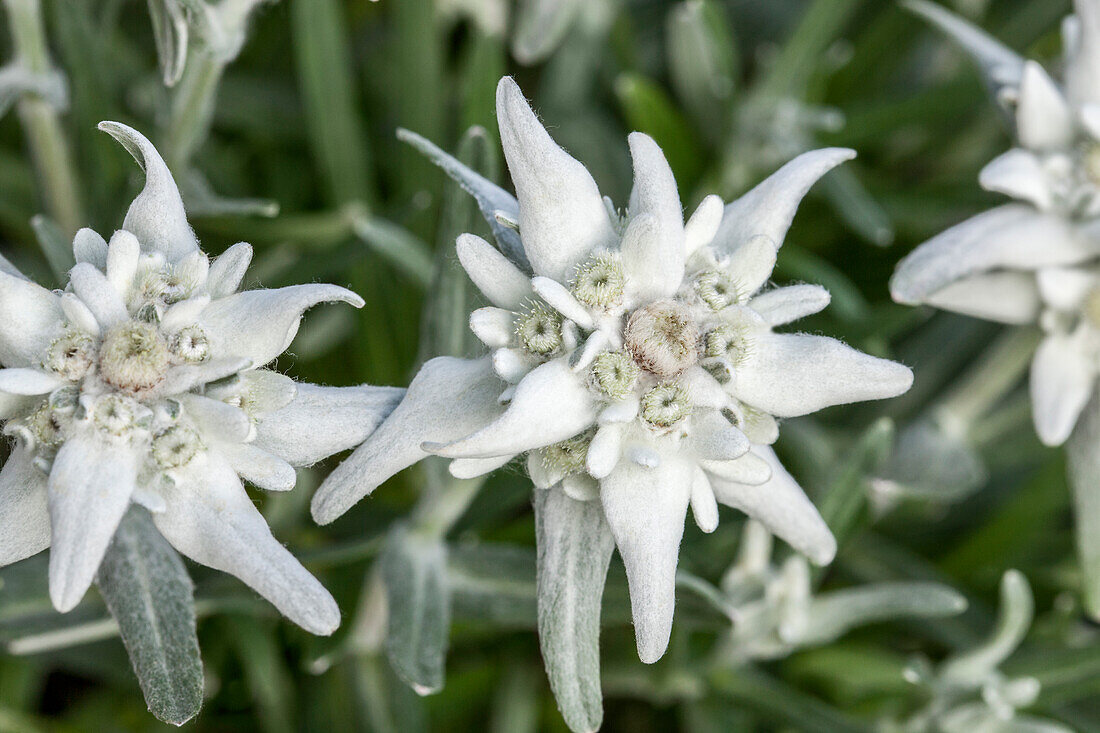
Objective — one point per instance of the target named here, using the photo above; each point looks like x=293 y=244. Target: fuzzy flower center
x=539 y=330
x=666 y=404
x=133 y=357
x=71 y=355
x=717 y=289
x=663 y=338
x=727 y=342
x=599 y=281
x=1090 y=309
x=190 y=344
x=614 y=373
x=568 y=456
x=176 y=447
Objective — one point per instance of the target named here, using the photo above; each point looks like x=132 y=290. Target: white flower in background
x=967 y=692
x=141 y=383
x=1020 y=263
x=635 y=365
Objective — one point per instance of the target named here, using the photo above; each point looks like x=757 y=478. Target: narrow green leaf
x=574 y=550
x=323 y=56
x=414 y=569
x=648 y=109
x=266 y=671
x=1013 y=621
x=397 y=245
x=147 y=590
x=170 y=32
x=55 y=245
x=1083 y=452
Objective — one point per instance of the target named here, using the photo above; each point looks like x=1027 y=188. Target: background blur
x=306 y=117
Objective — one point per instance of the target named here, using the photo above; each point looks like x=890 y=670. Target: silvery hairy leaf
x=147 y=590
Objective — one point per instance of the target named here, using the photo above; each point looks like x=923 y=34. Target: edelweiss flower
x=637 y=370
x=140 y=383
x=1018 y=263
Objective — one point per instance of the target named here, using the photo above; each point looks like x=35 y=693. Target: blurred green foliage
x=306 y=117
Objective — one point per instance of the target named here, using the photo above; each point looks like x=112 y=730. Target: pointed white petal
x=122 y=261
x=156 y=217
x=258 y=467
x=748 y=468
x=1006 y=297
x=561 y=214
x=1044 y=120
x=769 y=208
x=1003 y=238
x=447 y=399
x=704 y=507
x=624 y=410
x=645 y=508
x=30 y=319
x=25 y=381
x=495 y=276
x=1065 y=288
x=787 y=375
x=551 y=404
x=512 y=364
x=260 y=324
x=714 y=439
x=96 y=292
x=605 y=450
x=90 y=247
x=703 y=224
x=580 y=486
x=1062 y=380
x=467 y=468
x=89 y=490
x=184 y=313
x=215 y=419
x=784 y=305
x=1019 y=174
x=653 y=253
x=1000 y=64
x=561 y=300
x=228 y=269
x=751 y=263
x=322 y=421
x=78 y=314
x=782 y=507
x=24 y=513
x=209 y=518
x=187 y=377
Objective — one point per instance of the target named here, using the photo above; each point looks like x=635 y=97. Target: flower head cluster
x=634 y=362
x=1032 y=261
x=141 y=383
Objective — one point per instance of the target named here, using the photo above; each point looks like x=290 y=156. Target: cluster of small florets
x=113 y=378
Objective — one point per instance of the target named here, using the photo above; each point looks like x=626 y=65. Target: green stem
x=193 y=108
x=41 y=123
x=995 y=375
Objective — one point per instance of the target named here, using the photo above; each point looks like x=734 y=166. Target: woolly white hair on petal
x=494 y=274
x=781 y=306
x=788 y=375
x=260 y=324
x=562 y=215
x=89 y=246
x=89 y=490
x=1044 y=120
x=1019 y=174
x=24 y=511
x=645 y=508
x=228 y=270
x=780 y=505
x=1062 y=381
x=30 y=319
x=1005 y=297
x=156 y=217
x=654 y=263
x=1002 y=238
x=551 y=404
x=210 y=518
x=447 y=399
x=769 y=208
